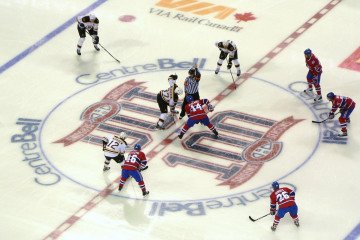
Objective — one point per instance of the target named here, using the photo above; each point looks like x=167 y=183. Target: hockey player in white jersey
x=88 y=23
x=114 y=148
x=228 y=47
x=168 y=97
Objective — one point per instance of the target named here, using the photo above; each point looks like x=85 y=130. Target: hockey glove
x=331 y=115
x=272 y=211
x=95 y=39
x=210 y=107
x=144 y=168
x=229 y=65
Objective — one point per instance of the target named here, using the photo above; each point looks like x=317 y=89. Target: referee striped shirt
x=191 y=84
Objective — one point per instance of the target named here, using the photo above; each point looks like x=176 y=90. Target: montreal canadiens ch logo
x=130 y=107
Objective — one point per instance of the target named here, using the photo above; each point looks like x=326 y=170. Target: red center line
x=169 y=139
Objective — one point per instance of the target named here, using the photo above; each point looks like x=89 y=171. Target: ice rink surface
x=58 y=105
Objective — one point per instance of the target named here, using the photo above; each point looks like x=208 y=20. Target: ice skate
x=145 y=194
x=78 y=51
x=296 y=222
x=159 y=127
x=217 y=71
x=318 y=98
x=106 y=168
x=308 y=91
x=238 y=73
x=273 y=227
x=96 y=47
x=180 y=135
x=216 y=134
x=342 y=134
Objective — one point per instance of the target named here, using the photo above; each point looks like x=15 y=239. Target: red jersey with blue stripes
x=314 y=65
x=284 y=197
x=342 y=103
x=195 y=110
x=135 y=161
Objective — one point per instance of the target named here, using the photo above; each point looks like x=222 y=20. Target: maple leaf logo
x=248 y=16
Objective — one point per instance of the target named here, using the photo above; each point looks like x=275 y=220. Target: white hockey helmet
x=92 y=17
x=178 y=91
x=123 y=135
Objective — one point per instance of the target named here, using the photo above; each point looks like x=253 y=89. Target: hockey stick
x=324 y=119
x=231 y=73
x=258 y=218
x=106 y=50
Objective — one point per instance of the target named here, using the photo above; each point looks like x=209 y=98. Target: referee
x=191 y=86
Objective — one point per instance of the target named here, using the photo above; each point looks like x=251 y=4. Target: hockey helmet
x=275 y=185
x=178 y=91
x=173 y=76
x=231 y=47
x=219 y=44
x=192 y=71
x=92 y=17
x=123 y=135
x=137 y=147
x=189 y=98
x=307 y=51
x=330 y=96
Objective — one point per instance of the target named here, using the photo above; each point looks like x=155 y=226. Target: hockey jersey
x=195 y=110
x=284 y=197
x=114 y=146
x=94 y=25
x=136 y=160
x=314 y=65
x=341 y=102
x=225 y=49
x=169 y=95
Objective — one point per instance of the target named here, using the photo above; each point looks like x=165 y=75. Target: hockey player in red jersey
x=196 y=113
x=314 y=74
x=346 y=106
x=285 y=198
x=133 y=165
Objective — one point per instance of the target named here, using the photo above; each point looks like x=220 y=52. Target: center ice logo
x=256 y=143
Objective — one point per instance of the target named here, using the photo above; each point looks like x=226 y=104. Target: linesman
x=191 y=86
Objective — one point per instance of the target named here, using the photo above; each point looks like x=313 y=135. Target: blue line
x=48 y=37
x=354 y=234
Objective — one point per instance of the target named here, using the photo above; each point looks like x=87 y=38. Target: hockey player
x=168 y=97
x=197 y=114
x=285 y=198
x=346 y=106
x=88 y=23
x=114 y=148
x=228 y=47
x=191 y=86
x=134 y=163
x=314 y=74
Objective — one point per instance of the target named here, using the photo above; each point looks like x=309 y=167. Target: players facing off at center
x=168 y=98
x=313 y=76
x=89 y=23
x=346 y=106
x=114 y=149
x=285 y=199
x=133 y=165
x=226 y=48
